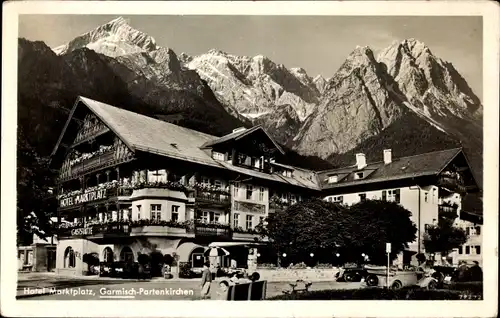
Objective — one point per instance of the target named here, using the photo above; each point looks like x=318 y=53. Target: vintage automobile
x=351 y=274
x=377 y=277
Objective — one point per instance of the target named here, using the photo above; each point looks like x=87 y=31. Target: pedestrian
x=206 y=281
x=462 y=271
x=475 y=272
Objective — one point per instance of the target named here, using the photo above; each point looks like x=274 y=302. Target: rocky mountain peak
x=115 y=38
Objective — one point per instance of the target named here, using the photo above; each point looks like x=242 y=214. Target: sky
x=319 y=44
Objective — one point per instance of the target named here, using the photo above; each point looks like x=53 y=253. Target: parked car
x=377 y=277
x=351 y=274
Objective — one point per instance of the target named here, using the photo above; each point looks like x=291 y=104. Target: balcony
x=125 y=227
x=451 y=182
x=102 y=192
x=93 y=163
x=97 y=230
x=90 y=133
x=448 y=210
x=211 y=198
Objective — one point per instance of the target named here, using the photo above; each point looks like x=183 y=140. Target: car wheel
x=372 y=280
x=348 y=277
x=432 y=285
x=397 y=285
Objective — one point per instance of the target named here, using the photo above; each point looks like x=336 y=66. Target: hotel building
x=131 y=184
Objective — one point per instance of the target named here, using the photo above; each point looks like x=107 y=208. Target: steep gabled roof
x=426 y=164
x=237 y=135
x=147 y=134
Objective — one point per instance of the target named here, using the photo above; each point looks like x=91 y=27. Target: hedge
x=379 y=294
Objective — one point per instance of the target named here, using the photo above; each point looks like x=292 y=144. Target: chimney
x=239 y=129
x=387 y=156
x=360 y=160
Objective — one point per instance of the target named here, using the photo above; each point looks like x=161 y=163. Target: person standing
x=475 y=272
x=206 y=281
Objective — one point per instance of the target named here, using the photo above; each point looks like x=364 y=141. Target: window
x=330 y=199
x=362 y=197
x=391 y=195
x=175 y=213
x=333 y=179
x=261 y=220
x=218 y=184
x=236 y=189
x=478 y=249
x=467 y=250
x=205 y=181
x=478 y=230
x=358 y=175
x=236 y=220
x=139 y=212
x=249 y=192
x=339 y=199
x=249 y=221
x=261 y=163
x=252 y=161
x=261 y=194
x=460 y=250
x=218 y=155
x=426 y=196
x=156 y=212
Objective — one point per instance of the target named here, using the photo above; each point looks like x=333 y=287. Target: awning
x=227 y=244
x=216 y=251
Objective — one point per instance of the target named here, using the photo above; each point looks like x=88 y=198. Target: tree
x=374 y=223
x=444 y=237
x=326 y=229
x=35 y=202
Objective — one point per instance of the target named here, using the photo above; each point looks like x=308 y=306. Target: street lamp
x=258 y=254
x=312 y=254
x=284 y=254
x=363 y=254
x=338 y=255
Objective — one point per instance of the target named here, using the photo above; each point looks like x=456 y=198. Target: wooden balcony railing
x=100 y=229
x=451 y=183
x=211 y=197
x=448 y=211
x=90 y=132
x=93 y=163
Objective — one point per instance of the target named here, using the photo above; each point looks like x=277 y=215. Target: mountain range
x=404 y=98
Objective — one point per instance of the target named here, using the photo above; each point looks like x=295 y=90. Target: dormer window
x=218 y=156
x=359 y=175
x=287 y=173
x=333 y=179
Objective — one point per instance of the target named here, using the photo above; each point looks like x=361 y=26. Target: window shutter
x=398 y=195
x=384 y=195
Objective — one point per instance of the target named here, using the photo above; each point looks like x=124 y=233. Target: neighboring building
x=427 y=185
x=471 y=251
x=132 y=184
x=40 y=256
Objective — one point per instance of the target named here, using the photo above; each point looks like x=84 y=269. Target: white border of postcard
x=486 y=308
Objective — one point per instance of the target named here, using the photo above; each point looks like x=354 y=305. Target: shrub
x=326 y=265
x=298 y=266
x=468 y=287
x=378 y=294
x=185 y=270
x=267 y=266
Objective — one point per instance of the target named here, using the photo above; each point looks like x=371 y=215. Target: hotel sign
x=82 y=231
x=82 y=198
